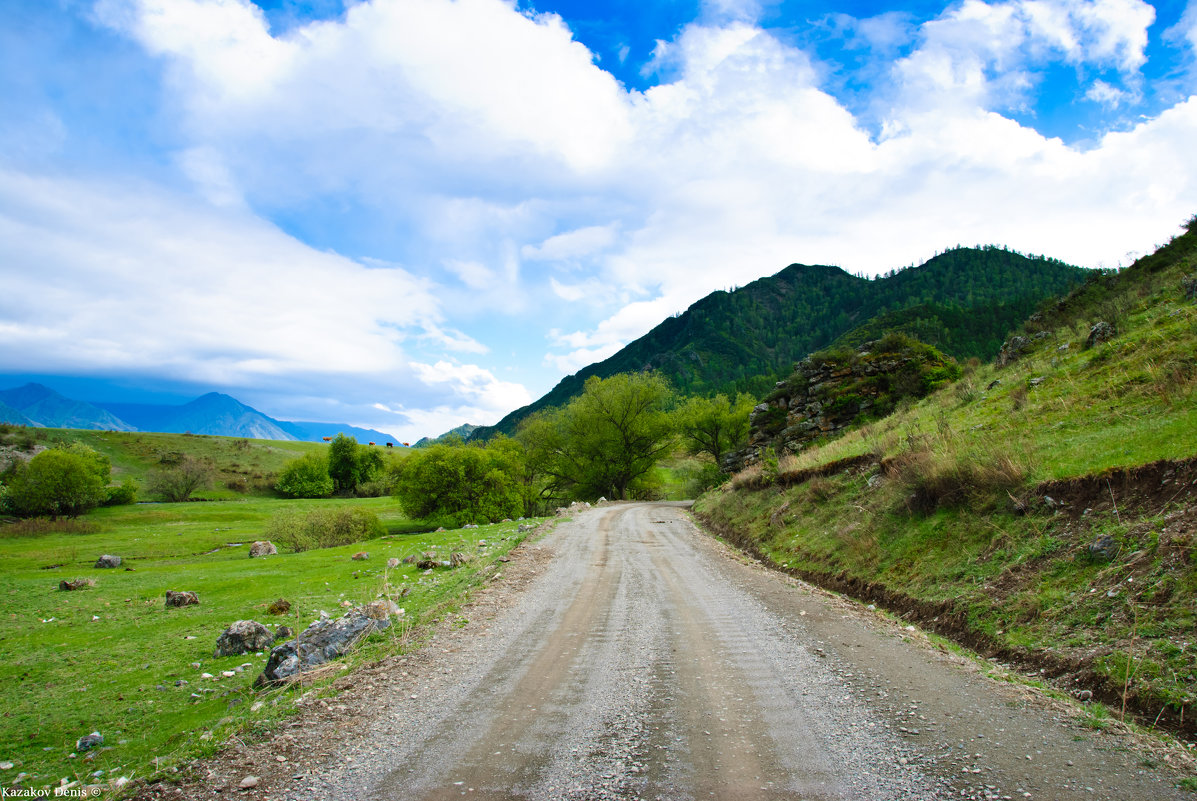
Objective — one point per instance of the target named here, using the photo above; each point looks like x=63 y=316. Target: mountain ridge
x=746 y=339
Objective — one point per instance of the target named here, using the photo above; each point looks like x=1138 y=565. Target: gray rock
x=360 y=556
x=1100 y=332
x=108 y=560
x=283 y=633
x=243 y=637
x=392 y=563
x=1189 y=285
x=324 y=640
x=181 y=598
x=262 y=548
x=93 y=740
x=1012 y=349
x=457 y=558
x=1104 y=548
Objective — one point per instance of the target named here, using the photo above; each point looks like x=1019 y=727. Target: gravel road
x=642 y=659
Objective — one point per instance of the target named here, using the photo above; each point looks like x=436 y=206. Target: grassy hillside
x=744 y=340
x=1044 y=511
x=243 y=467
x=113 y=658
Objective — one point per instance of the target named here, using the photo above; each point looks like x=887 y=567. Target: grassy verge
x=112 y=658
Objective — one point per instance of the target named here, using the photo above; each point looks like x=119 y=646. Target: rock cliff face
x=834 y=389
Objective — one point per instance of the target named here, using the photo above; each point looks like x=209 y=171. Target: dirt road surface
x=630 y=656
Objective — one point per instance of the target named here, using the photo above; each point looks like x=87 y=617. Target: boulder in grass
x=262 y=548
x=457 y=558
x=93 y=740
x=108 y=560
x=179 y=598
x=360 y=556
x=324 y=640
x=392 y=563
x=243 y=637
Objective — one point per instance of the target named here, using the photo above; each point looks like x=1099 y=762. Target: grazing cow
x=371 y=443
x=390 y=444
x=407 y=444
x=327 y=439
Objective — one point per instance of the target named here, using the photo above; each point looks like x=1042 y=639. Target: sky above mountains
x=409 y=214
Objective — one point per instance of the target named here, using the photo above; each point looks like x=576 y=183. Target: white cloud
x=1107 y=95
x=479 y=397
x=144 y=280
x=572 y=244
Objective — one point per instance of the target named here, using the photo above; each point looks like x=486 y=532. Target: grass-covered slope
x=745 y=339
x=1045 y=510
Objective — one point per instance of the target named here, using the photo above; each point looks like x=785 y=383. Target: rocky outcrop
x=108 y=561
x=835 y=389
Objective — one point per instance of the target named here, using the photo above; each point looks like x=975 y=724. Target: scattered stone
x=76 y=584
x=6 y=766
x=179 y=598
x=243 y=637
x=525 y=527
x=320 y=642
x=93 y=740
x=392 y=563
x=108 y=560
x=457 y=559
x=1104 y=548
x=280 y=607
x=283 y=633
x=382 y=609
x=249 y=782
x=1085 y=695
x=992 y=384
x=1034 y=382
x=1100 y=332
x=411 y=560
x=360 y=556
x=1189 y=285
x=262 y=548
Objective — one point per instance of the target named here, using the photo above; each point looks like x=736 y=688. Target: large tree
x=605 y=441
x=714 y=425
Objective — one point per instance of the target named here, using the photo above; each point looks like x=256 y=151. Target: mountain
x=463 y=432
x=963 y=302
x=315 y=432
x=215 y=413
x=39 y=406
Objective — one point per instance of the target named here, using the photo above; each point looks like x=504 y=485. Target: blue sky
x=409 y=214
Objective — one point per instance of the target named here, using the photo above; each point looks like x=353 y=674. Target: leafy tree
x=177 y=482
x=306 y=477
x=714 y=425
x=462 y=483
x=65 y=481
x=351 y=464
x=607 y=440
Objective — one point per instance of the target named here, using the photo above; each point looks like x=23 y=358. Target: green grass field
x=110 y=657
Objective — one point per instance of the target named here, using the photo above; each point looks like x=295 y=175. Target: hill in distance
x=463 y=432
x=41 y=407
x=963 y=302
x=215 y=414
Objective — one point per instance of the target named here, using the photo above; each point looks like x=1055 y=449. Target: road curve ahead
x=645 y=663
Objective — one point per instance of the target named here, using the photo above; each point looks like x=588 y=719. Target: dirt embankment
x=1133 y=495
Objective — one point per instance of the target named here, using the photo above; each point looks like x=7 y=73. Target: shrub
x=123 y=495
x=306 y=477
x=67 y=481
x=323 y=528
x=178 y=482
x=462 y=483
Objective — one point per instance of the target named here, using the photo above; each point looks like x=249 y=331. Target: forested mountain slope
x=963 y=301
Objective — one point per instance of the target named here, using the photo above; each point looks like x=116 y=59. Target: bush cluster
x=323 y=528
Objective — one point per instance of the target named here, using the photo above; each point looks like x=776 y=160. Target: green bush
x=179 y=480
x=306 y=477
x=460 y=484
x=323 y=528
x=123 y=495
x=66 y=480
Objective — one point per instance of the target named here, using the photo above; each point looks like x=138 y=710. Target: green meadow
x=113 y=658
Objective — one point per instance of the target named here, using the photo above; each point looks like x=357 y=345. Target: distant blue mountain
x=39 y=406
x=315 y=432
x=216 y=414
